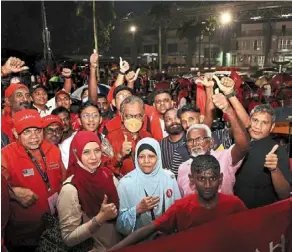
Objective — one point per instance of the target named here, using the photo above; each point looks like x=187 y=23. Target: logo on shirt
x=28 y=172
x=168 y=193
x=53 y=166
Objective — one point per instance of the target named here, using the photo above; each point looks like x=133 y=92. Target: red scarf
x=91 y=187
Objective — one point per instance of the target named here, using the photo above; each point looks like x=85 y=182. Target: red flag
x=74 y=68
x=58 y=69
x=237 y=79
x=201 y=98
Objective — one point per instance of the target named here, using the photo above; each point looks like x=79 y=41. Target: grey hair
x=200 y=126
x=131 y=100
x=264 y=108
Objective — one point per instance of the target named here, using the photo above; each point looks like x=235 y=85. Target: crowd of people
x=121 y=171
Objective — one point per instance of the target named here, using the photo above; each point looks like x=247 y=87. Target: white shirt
x=65 y=148
x=162 y=124
x=44 y=113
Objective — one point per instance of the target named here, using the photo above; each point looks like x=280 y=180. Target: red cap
x=13 y=87
x=49 y=119
x=27 y=118
x=62 y=91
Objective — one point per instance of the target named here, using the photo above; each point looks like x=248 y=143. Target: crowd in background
x=128 y=165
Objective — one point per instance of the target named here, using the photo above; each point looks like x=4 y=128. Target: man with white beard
x=199 y=142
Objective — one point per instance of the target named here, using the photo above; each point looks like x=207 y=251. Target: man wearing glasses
x=200 y=142
x=125 y=138
x=53 y=129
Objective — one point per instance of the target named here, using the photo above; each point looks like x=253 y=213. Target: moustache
x=24 y=103
x=175 y=124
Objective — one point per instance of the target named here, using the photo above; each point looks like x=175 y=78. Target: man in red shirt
x=194 y=209
x=53 y=129
x=17 y=98
x=63 y=99
x=34 y=170
x=124 y=138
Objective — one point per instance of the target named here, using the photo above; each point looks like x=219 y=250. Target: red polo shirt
x=25 y=225
x=187 y=213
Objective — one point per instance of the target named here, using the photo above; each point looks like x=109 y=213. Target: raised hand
x=221 y=102
x=132 y=76
x=93 y=59
x=67 y=72
x=124 y=66
x=147 y=204
x=107 y=211
x=226 y=85
x=271 y=161
x=14 y=65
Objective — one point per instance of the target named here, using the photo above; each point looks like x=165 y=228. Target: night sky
x=22 y=25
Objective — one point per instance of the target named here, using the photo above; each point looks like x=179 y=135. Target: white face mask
x=85 y=99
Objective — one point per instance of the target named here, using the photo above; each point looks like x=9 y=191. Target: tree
x=211 y=25
x=191 y=30
x=160 y=13
x=103 y=14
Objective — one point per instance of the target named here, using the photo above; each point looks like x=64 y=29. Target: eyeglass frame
x=198 y=140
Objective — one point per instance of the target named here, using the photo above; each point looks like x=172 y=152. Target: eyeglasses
x=198 y=140
x=29 y=132
x=51 y=131
x=159 y=102
x=88 y=116
x=138 y=116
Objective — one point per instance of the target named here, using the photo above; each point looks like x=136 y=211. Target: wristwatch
x=121 y=73
x=233 y=93
x=95 y=223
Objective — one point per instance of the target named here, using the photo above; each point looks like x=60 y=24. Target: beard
x=174 y=129
x=197 y=152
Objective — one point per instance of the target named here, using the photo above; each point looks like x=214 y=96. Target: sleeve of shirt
x=4 y=167
x=166 y=223
x=110 y=95
x=240 y=206
x=70 y=217
x=228 y=157
x=126 y=221
x=283 y=164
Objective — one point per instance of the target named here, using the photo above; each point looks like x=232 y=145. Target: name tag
x=28 y=172
x=53 y=166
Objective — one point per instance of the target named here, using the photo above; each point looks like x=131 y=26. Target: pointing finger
x=121 y=60
x=274 y=149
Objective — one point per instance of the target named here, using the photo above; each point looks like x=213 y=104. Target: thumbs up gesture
x=124 y=66
x=271 y=161
x=107 y=211
x=126 y=147
x=132 y=76
x=93 y=59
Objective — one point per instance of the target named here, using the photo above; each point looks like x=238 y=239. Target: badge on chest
x=28 y=172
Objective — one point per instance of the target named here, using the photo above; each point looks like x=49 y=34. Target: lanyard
x=44 y=174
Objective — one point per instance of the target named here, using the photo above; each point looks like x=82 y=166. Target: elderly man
x=35 y=172
x=53 y=129
x=17 y=98
x=200 y=141
x=125 y=138
x=264 y=177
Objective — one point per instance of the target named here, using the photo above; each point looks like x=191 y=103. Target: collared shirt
x=45 y=112
x=254 y=185
x=162 y=125
x=224 y=158
x=65 y=148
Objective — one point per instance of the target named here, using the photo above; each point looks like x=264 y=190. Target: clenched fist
x=221 y=102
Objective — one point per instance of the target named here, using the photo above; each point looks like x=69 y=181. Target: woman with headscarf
x=88 y=202
x=147 y=191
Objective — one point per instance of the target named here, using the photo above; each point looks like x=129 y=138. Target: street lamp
x=133 y=29
x=225 y=18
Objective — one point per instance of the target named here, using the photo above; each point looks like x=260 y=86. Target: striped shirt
x=167 y=150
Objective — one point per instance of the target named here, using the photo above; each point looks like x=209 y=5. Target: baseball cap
x=27 y=118
x=13 y=87
x=49 y=119
x=62 y=91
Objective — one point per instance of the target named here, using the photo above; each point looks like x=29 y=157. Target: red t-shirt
x=187 y=213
